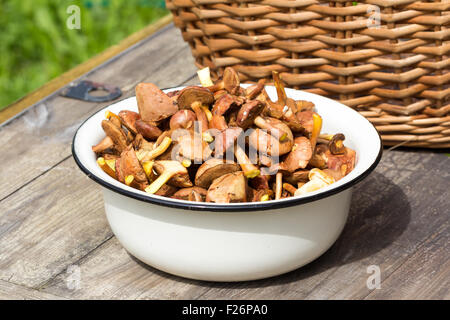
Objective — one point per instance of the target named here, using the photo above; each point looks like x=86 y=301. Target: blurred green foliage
x=36 y=45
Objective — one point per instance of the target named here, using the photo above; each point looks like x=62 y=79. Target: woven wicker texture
x=394 y=73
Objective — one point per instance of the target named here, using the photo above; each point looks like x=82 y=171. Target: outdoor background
x=36 y=46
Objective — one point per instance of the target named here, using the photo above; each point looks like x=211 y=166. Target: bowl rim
x=223 y=207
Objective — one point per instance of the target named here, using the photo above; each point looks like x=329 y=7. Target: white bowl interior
x=359 y=132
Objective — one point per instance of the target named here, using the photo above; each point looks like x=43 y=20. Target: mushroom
x=299 y=156
x=185 y=193
x=212 y=169
x=147 y=155
x=154 y=105
x=253 y=91
x=336 y=144
x=271 y=125
x=183 y=119
x=191 y=146
x=116 y=134
x=317 y=179
x=128 y=119
x=129 y=165
x=230 y=81
x=218 y=122
x=306 y=120
x=109 y=169
x=297 y=176
x=260 y=182
x=341 y=162
x=262 y=195
x=269 y=144
x=317 y=126
x=104 y=144
x=231 y=187
x=289 y=188
x=148 y=130
x=248 y=112
x=278 y=185
x=169 y=170
x=225 y=103
x=204 y=76
x=248 y=168
x=225 y=139
x=194 y=98
x=166 y=190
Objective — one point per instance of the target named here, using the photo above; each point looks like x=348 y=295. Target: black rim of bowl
x=216 y=207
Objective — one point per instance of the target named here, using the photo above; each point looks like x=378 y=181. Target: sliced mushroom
x=169 y=170
x=212 y=169
x=128 y=119
x=103 y=145
x=226 y=102
x=341 y=162
x=154 y=105
x=183 y=119
x=231 y=187
x=248 y=112
x=297 y=176
x=147 y=130
x=317 y=179
x=184 y=193
x=116 y=134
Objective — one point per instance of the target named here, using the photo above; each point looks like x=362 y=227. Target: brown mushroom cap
x=153 y=104
x=183 y=119
x=104 y=144
x=248 y=112
x=225 y=103
x=180 y=175
x=183 y=194
x=230 y=80
x=231 y=187
x=336 y=144
x=226 y=139
x=147 y=130
x=130 y=165
x=212 y=169
x=192 y=94
x=128 y=119
x=116 y=134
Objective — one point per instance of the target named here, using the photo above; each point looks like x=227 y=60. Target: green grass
x=36 y=45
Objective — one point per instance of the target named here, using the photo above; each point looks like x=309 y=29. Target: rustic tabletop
x=55 y=241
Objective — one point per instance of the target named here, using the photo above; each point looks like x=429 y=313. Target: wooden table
x=53 y=229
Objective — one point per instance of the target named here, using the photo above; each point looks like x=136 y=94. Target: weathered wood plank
x=10 y=291
x=41 y=136
x=388 y=223
x=51 y=223
x=425 y=275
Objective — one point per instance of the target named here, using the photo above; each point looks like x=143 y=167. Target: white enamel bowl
x=239 y=241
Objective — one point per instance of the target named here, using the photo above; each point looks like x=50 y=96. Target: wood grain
x=10 y=291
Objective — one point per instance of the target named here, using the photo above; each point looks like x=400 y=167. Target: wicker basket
x=396 y=74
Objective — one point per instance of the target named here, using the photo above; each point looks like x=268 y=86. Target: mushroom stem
x=205 y=77
x=250 y=170
x=278 y=185
x=148 y=168
x=317 y=126
x=105 y=167
x=255 y=91
x=281 y=93
x=159 y=150
x=201 y=115
x=159 y=182
x=275 y=132
x=289 y=188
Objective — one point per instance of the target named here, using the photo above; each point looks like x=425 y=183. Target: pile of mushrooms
x=220 y=142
